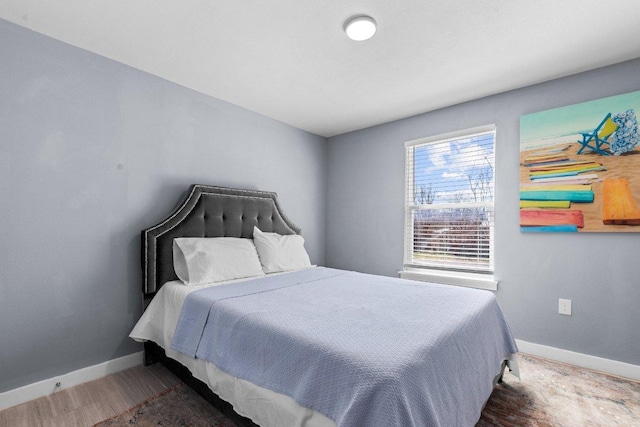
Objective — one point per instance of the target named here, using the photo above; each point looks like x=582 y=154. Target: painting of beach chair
x=596 y=140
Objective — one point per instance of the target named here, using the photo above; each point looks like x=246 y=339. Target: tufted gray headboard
x=208 y=212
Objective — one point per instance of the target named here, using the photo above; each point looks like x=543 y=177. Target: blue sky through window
x=455 y=171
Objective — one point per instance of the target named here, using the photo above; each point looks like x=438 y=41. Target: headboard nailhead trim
x=150 y=235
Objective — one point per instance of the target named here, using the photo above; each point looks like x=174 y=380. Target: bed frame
x=206 y=212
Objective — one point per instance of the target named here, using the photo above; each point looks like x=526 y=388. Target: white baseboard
x=608 y=366
x=43 y=388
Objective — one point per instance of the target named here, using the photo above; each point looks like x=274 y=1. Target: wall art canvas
x=580 y=167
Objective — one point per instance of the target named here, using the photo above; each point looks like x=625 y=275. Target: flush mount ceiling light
x=360 y=28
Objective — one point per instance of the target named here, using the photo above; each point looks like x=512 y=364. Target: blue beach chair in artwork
x=596 y=140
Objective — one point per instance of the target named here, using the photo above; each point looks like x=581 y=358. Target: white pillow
x=280 y=253
x=206 y=260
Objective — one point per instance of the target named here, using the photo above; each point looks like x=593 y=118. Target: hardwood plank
x=24 y=415
x=125 y=389
x=61 y=401
x=116 y=396
x=146 y=380
x=91 y=402
x=166 y=377
x=87 y=415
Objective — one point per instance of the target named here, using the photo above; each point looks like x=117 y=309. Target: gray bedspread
x=363 y=350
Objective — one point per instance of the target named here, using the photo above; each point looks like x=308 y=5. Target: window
x=449 y=204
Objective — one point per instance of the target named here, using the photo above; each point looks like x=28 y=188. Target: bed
x=315 y=347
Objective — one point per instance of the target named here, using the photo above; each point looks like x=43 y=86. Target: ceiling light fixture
x=360 y=28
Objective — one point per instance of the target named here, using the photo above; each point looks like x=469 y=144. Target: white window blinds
x=449 y=201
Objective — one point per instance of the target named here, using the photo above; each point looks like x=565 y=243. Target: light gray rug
x=556 y=394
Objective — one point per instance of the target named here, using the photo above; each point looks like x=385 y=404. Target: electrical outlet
x=564 y=306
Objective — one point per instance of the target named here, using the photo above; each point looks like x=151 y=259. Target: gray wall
x=92 y=152
x=599 y=272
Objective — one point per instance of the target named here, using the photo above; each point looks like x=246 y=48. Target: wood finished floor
x=551 y=394
x=92 y=402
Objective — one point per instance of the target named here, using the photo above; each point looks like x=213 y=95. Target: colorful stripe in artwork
x=540 y=217
x=573 y=169
x=545 y=158
x=549 y=204
x=587 y=177
x=547 y=187
x=563 y=164
x=550 y=229
x=538 y=175
x=543 y=182
x=572 y=196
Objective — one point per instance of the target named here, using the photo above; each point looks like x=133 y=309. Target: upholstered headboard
x=208 y=212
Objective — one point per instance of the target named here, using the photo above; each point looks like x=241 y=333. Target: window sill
x=456 y=278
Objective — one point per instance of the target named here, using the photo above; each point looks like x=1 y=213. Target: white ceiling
x=290 y=59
